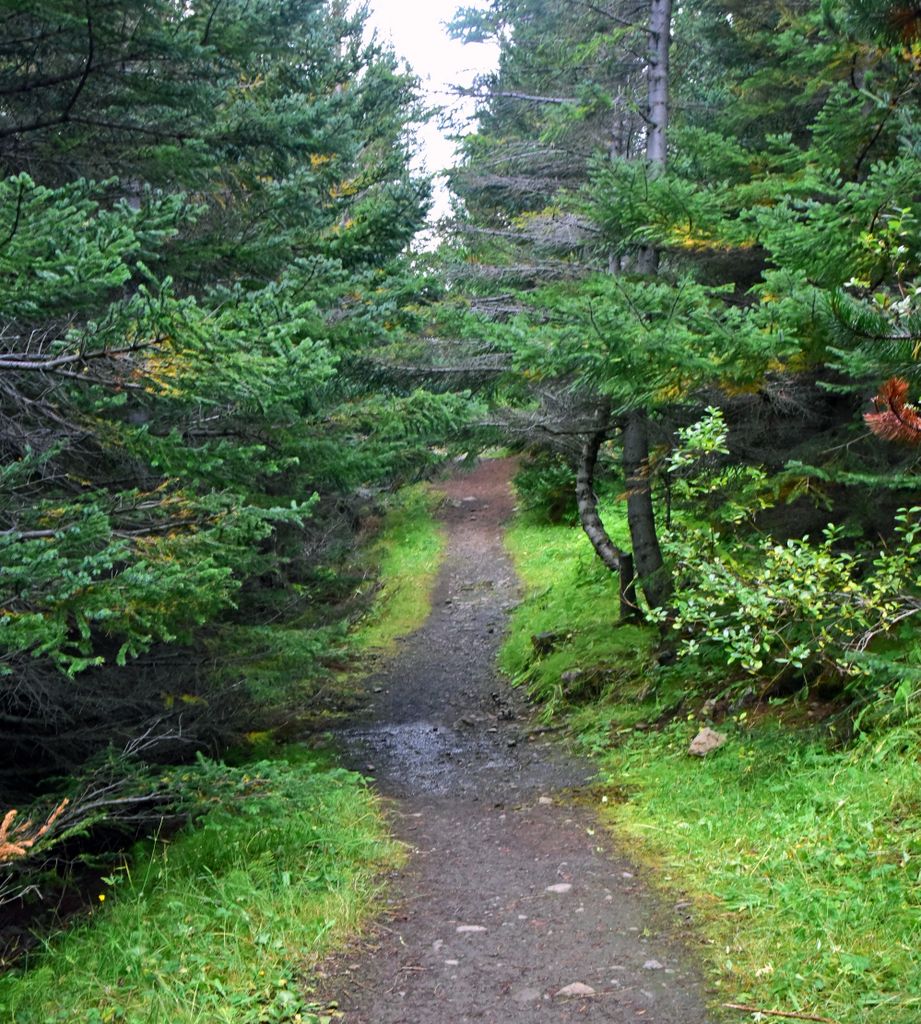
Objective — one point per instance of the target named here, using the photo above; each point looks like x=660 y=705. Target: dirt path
x=511 y=894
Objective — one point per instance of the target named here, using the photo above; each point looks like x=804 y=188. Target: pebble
x=576 y=991
x=653 y=965
x=527 y=995
x=559 y=887
x=546 y=800
x=465 y=929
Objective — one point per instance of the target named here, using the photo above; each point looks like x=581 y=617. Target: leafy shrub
x=801 y=606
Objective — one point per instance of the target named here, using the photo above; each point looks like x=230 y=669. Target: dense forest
x=681 y=280
x=696 y=254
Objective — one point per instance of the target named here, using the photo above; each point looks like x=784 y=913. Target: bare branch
x=506 y=95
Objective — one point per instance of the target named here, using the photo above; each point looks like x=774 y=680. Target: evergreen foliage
x=204 y=223
x=785 y=230
x=215 y=348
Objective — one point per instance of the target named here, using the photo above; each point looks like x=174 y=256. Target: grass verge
x=301 y=669
x=407 y=554
x=803 y=861
x=223 y=923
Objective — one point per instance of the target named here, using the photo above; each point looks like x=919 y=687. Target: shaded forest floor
x=512 y=907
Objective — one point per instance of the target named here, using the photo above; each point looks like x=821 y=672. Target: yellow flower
x=102 y=897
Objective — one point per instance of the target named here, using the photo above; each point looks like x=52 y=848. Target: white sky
x=416 y=30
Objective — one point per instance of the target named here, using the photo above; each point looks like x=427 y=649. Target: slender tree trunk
x=587 y=503
x=616 y=560
x=660 y=37
x=650 y=567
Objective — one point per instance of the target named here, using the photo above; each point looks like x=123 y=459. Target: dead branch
x=44 y=364
x=17 y=840
x=481 y=94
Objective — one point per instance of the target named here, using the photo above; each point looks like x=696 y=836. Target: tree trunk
x=660 y=37
x=654 y=576
x=616 y=560
x=650 y=567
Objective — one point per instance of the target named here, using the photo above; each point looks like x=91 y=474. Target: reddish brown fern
x=895 y=419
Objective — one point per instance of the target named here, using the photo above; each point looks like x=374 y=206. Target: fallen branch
x=543 y=730
x=779 y=1013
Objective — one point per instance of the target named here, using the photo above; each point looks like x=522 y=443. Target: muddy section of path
x=513 y=908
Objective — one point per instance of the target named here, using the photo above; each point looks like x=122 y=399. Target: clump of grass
x=406 y=555
x=285 y=664
x=805 y=862
x=802 y=857
x=220 y=924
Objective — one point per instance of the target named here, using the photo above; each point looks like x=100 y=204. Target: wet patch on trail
x=422 y=758
x=513 y=908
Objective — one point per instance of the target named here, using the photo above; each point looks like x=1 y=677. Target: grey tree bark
x=660 y=38
x=650 y=566
x=587 y=502
x=610 y=554
x=653 y=573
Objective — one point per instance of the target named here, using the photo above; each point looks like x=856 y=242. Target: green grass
x=406 y=555
x=223 y=923
x=803 y=861
x=570 y=593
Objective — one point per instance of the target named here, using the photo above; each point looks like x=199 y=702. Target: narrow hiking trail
x=511 y=894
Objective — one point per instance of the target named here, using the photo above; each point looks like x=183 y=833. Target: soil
x=512 y=893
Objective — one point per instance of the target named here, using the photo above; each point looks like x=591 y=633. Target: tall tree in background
x=593 y=331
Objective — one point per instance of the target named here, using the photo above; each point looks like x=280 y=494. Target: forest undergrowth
x=225 y=919
x=796 y=845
